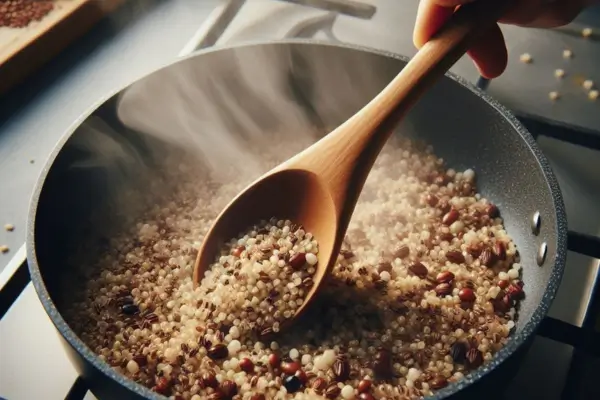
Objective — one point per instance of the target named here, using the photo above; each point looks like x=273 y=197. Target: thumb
x=431 y=16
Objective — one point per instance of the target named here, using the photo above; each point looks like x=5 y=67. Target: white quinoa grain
x=3 y=248
x=586 y=32
x=132 y=367
x=588 y=84
x=554 y=95
x=526 y=58
x=9 y=227
x=559 y=73
x=567 y=53
x=311 y=259
x=593 y=94
x=347 y=392
x=294 y=354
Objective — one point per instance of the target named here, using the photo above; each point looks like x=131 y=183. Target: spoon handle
x=345 y=156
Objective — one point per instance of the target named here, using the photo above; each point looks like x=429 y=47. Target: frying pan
x=212 y=101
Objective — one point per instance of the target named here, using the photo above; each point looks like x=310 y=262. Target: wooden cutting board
x=23 y=50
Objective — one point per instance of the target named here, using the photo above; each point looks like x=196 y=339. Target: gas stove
x=566 y=351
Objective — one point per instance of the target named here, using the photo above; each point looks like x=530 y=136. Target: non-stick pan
x=205 y=101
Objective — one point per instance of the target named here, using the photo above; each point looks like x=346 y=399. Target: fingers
x=489 y=53
x=430 y=18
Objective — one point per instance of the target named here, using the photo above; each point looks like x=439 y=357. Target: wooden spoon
x=319 y=187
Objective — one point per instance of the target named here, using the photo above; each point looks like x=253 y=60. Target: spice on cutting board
x=34 y=31
x=20 y=13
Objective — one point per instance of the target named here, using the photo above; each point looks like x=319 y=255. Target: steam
x=218 y=113
x=229 y=111
x=219 y=105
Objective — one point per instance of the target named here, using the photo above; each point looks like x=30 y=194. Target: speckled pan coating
x=520 y=183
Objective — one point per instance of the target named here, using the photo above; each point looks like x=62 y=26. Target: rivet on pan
x=536 y=222
x=541 y=254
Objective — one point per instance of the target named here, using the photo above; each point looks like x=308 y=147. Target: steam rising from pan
x=216 y=113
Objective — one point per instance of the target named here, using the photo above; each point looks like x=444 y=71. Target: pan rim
x=516 y=339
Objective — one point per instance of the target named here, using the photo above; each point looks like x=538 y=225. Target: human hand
x=489 y=50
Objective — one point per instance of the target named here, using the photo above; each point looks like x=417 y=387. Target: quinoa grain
x=410 y=304
x=526 y=58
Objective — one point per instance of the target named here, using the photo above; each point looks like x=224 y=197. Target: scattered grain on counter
x=559 y=73
x=526 y=58
x=425 y=289
x=586 y=32
x=567 y=53
x=593 y=94
x=3 y=249
x=20 y=13
x=554 y=96
x=9 y=227
x=588 y=84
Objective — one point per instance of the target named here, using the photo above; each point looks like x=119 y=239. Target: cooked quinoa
x=424 y=291
x=260 y=279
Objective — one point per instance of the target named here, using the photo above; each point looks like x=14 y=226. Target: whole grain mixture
x=260 y=280
x=424 y=291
